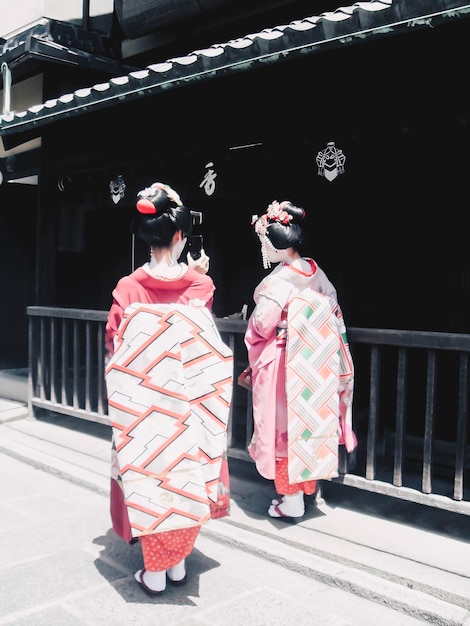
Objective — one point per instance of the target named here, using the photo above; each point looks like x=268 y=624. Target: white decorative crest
x=117 y=189
x=330 y=161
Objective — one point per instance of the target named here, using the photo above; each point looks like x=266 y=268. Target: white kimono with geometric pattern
x=169 y=387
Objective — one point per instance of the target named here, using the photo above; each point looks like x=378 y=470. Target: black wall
x=389 y=232
x=17 y=276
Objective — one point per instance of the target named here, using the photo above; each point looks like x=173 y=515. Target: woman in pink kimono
x=164 y=223
x=280 y=234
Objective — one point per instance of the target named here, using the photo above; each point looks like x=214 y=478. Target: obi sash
x=169 y=386
x=318 y=370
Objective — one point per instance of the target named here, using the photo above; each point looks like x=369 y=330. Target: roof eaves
x=343 y=27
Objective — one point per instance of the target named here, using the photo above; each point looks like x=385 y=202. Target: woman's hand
x=201 y=264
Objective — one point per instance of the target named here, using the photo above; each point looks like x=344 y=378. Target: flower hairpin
x=276 y=214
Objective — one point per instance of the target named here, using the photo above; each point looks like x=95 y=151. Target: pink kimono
x=143 y=287
x=265 y=339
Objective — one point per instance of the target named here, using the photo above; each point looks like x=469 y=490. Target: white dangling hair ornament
x=261 y=227
x=274 y=213
x=264 y=252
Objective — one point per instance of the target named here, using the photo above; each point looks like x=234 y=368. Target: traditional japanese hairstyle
x=160 y=214
x=280 y=227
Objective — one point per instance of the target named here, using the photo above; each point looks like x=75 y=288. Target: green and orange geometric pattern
x=318 y=363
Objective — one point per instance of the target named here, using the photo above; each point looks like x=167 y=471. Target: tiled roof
x=334 y=29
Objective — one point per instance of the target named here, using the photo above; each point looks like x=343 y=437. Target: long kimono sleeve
x=260 y=337
x=112 y=324
x=261 y=332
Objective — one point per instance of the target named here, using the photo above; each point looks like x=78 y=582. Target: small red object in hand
x=245 y=378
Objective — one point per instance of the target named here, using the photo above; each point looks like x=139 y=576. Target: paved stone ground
x=63 y=566
x=356 y=559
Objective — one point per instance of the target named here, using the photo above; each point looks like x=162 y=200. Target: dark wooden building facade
x=234 y=134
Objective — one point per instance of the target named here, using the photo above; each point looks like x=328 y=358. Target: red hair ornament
x=146 y=207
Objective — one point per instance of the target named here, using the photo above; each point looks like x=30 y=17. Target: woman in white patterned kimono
x=164 y=223
x=280 y=234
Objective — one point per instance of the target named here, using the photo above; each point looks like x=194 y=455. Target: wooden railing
x=410 y=410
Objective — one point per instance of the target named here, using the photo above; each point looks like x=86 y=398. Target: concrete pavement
x=354 y=559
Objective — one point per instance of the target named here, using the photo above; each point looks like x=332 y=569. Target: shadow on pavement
x=118 y=561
